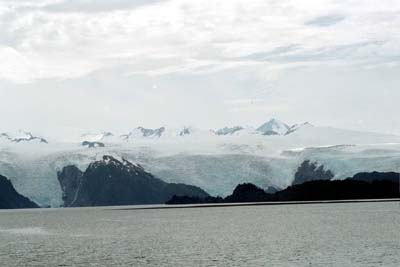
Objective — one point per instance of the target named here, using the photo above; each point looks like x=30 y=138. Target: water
x=352 y=234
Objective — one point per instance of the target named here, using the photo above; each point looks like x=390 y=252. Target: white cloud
x=212 y=61
x=65 y=39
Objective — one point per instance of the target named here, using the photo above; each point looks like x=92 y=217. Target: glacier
x=216 y=163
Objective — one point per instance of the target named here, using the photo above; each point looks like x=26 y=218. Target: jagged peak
x=273 y=127
x=122 y=163
x=187 y=130
x=144 y=132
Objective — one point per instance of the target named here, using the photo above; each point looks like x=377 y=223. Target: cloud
x=67 y=39
x=325 y=21
x=96 y=5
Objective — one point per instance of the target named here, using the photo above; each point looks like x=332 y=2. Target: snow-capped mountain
x=186 y=131
x=141 y=132
x=215 y=163
x=273 y=127
x=111 y=181
x=97 y=137
x=164 y=134
x=22 y=136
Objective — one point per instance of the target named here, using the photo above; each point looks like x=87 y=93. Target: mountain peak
x=96 y=137
x=186 y=131
x=144 y=132
x=123 y=164
x=273 y=127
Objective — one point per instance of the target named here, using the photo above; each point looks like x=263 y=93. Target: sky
x=95 y=65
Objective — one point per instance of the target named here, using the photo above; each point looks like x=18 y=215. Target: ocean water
x=351 y=234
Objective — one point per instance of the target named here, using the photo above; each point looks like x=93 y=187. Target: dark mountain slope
x=11 y=199
x=110 y=182
x=309 y=171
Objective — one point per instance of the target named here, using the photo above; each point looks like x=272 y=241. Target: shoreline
x=245 y=204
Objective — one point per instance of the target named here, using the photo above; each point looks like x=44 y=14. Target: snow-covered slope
x=216 y=163
x=97 y=137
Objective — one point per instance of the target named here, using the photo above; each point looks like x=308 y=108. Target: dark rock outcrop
x=111 y=182
x=11 y=199
x=309 y=171
x=228 y=130
x=248 y=193
x=377 y=176
x=185 y=131
x=339 y=190
x=70 y=179
x=92 y=144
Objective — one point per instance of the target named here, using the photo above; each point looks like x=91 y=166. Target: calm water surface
x=356 y=234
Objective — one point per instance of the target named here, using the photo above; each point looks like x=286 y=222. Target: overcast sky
x=95 y=65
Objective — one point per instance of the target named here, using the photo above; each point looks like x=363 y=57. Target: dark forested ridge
x=361 y=186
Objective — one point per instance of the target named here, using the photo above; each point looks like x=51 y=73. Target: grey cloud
x=274 y=53
x=325 y=21
x=296 y=53
x=89 y=6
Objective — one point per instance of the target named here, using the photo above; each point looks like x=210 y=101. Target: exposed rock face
x=309 y=171
x=152 y=132
x=110 y=182
x=297 y=127
x=70 y=179
x=11 y=199
x=90 y=144
x=185 y=131
x=228 y=131
x=144 y=132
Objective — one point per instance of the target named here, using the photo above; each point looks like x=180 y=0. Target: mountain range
x=271 y=127
x=214 y=160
